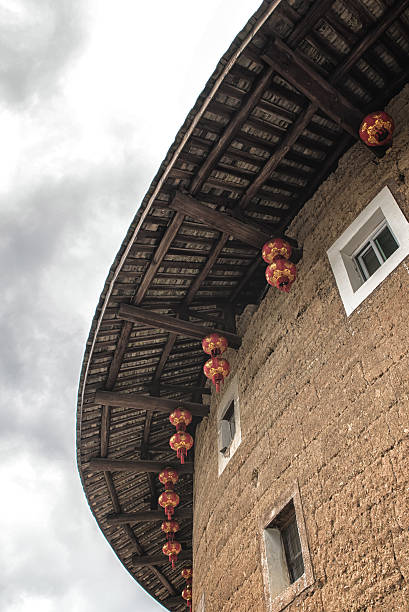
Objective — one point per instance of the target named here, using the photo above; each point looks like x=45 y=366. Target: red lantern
x=181 y=442
x=276 y=248
x=187 y=594
x=169 y=500
x=168 y=477
x=377 y=129
x=170 y=528
x=214 y=345
x=187 y=573
x=180 y=418
x=281 y=274
x=217 y=369
x=172 y=549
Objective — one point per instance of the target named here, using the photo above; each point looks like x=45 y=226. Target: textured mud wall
x=323 y=401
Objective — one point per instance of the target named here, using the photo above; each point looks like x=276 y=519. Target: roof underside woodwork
x=263 y=135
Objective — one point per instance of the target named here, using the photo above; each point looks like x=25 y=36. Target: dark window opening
x=286 y=523
x=375 y=251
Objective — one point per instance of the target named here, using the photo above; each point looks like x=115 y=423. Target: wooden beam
x=315 y=87
x=148 y=560
x=317 y=11
x=147 y=402
x=121 y=518
x=168 y=323
x=389 y=17
x=164 y=387
x=159 y=255
x=231 y=129
x=214 y=256
x=122 y=465
x=247 y=233
x=289 y=139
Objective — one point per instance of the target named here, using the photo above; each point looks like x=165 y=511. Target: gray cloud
x=36 y=42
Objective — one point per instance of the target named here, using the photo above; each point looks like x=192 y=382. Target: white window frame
x=278 y=590
x=382 y=209
x=231 y=394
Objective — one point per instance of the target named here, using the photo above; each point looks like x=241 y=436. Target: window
x=376 y=251
x=369 y=249
x=228 y=425
x=227 y=428
x=286 y=526
x=286 y=562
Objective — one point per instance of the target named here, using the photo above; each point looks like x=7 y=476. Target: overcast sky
x=92 y=93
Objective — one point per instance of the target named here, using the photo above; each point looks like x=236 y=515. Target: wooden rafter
x=317 y=89
x=243 y=231
x=121 y=465
x=231 y=130
x=121 y=518
x=164 y=387
x=289 y=139
x=147 y=402
x=148 y=560
x=178 y=326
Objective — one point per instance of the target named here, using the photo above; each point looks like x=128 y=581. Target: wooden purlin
x=139 y=550
x=230 y=131
x=245 y=232
x=316 y=12
x=178 y=326
x=389 y=17
x=122 y=465
x=148 y=560
x=147 y=402
x=271 y=164
x=121 y=518
x=317 y=89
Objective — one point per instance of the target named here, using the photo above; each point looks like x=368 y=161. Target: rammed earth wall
x=323 y=401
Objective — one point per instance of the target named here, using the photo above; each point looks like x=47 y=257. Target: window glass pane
x=386 y=243
x=292 y=547
x=371 y=261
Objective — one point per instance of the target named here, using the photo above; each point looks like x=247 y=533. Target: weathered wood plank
x=147 y=560
x=245 y=232
x=289 y=139
x=147 y=402
x=122 y=518
x=122 y=465
x=318 y=90
x=178 y=326
x=389 y=17
x=231 y=129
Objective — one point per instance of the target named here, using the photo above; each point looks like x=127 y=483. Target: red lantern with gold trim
x=377 y=129
x=170 y=528
x=181 y=442
x=187 y=573
x=172 y=549
x=180 y=418
x=277 y=247
x=169 y=500
x=281 y=274
x=214 y=345
x=168 y=477
x=217 y=369
x=187 y=595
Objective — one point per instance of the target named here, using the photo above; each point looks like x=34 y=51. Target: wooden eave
x=282 y=106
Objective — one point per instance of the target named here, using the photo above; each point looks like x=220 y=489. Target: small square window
x=369 y=249
x=227 y=428
x=228 y=425
x=286 y=562
x=286 y=524
x=376 y=250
